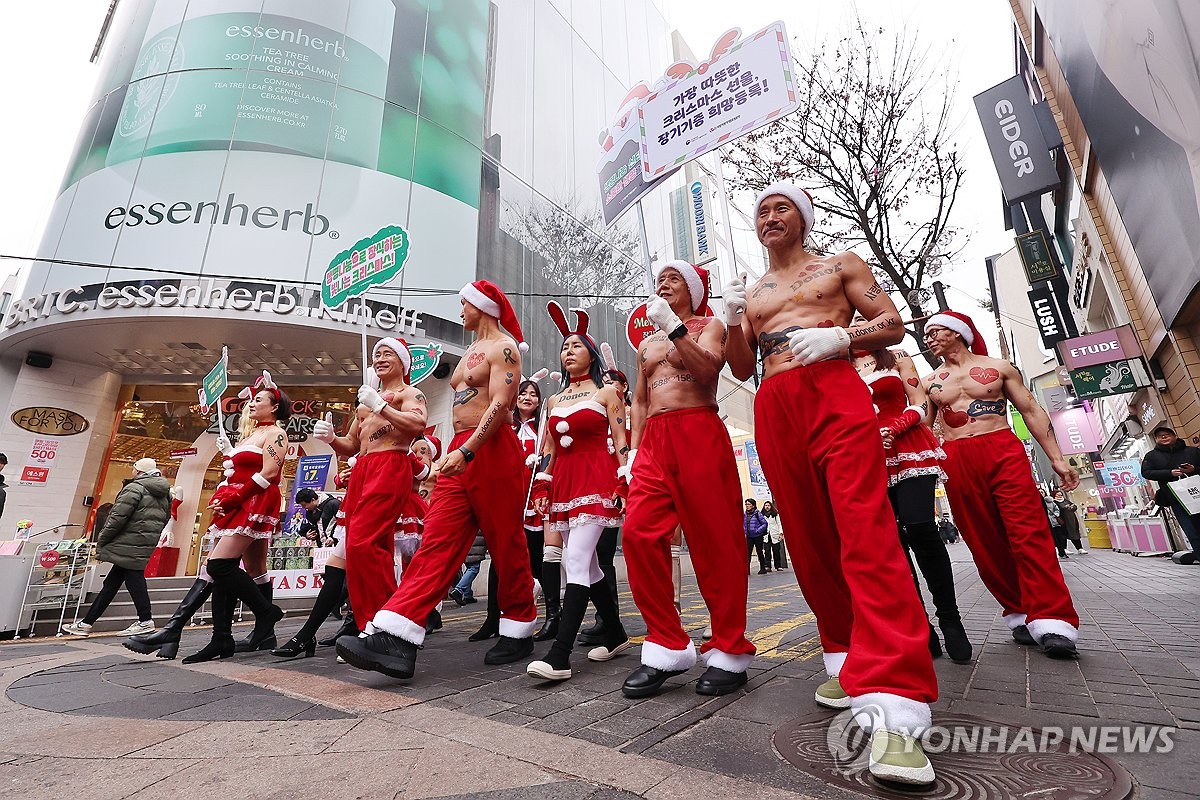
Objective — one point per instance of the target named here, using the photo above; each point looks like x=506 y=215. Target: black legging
x=761 y=547
x=135 y=584
x=912 y=501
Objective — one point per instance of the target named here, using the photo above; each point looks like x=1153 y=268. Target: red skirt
x=257 y=518
x=582 y=489
x=914 y=453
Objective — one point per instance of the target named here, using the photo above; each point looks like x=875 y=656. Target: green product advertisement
x=373 y=261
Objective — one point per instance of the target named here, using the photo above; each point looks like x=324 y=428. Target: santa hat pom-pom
x=562 y=427
x=523 y=347
x=228 y=473
x=566 y=441
x=350 y=462
x=227 y=463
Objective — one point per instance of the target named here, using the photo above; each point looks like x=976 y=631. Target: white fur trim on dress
x=480 y=300
x=728 y=661
x=396 y=625
x=833 y=663
x=799 y=199
x=659 y=657
x=260 y=480
x=515 y=629
x=954 y=324
x=1040 y=627
x=891 y=712
x=1014 y=620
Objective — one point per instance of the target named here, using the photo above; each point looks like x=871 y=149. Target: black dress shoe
x=958 y=646
x=489 y=630
x=935 y=644
x=433 y=622
x=508 y=650
x=646 y=681
x=380 y=652
x=716 y=681
x=349 y=628
x=1021 y=635
x=591 y=636
x=458 y=597
x=295 y=647
x=1058 y=646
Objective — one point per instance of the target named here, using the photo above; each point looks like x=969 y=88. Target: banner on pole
x=424 y=361
x=373 y=261
x=215 y=383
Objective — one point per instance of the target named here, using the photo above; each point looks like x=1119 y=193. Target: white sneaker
x=540 y=669
x=78 y=629
x=707 y=634
x=138 y=628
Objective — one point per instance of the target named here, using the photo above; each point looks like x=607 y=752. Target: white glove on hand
x=626 y=471
x=735 y=300
x=323 y=429
x=810 y=345
x=224 y=446
x=660 y=313
x=531 y=461
x=372 y=399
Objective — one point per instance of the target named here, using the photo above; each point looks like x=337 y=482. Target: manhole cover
x=974 y=758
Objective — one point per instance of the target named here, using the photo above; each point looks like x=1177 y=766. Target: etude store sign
x=209 y=294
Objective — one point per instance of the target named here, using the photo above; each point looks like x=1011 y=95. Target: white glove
x=369 y=397
x=735 y=300
x=223 y=444
x=660 y=313
x=323 y=429
x=531 y=461
x=626 y=471
x=810 y=345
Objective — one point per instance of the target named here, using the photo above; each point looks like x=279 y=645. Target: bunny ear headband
x=559 y=317
x=260 y=383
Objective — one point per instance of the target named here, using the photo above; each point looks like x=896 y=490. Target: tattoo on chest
x=465 y=396
x=475 y=359
x=575 y=396
x=812 y=276
x=386 y=430
x=763 y=288
x=984 y=375
x=508 y=356
x=979 y=408
x=772 y=343
x=683 y=377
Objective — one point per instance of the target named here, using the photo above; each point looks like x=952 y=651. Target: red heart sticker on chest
x=955 y=419
x=913 y=381
x=943 y=375
x=984 y=375
x=826 y=324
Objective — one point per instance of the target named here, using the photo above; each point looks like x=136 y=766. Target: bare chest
x=959 y=388
x=801 y=296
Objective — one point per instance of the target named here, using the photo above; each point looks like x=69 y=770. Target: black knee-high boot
x=238 y=585
x=330 y=595
x=257 y=640
x=491 y=623
x=221 y=644
x=166 y=639
x=606 y=609
x=930 y=553
x=574 y=607
x=551 y=586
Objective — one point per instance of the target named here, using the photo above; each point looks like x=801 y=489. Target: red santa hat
x=436 y=444
x=696 y=279
x=399 y=346
x=488 y=298
x=801 y=199
x=963 y=326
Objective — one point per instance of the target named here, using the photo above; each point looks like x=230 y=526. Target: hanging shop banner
x=1113 y=477
x=758 y=479
x=1019 y=149
x=1036 y=258
x=1119 y=377
x=1116 y=344
x=424 y=361
x=311 y=473
x=1048 y=316
x=743 y=86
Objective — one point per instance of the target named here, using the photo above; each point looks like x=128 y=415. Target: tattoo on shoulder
x=764 y=287
x=508 y=356
x=874 y=291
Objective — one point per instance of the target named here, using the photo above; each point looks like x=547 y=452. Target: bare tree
x=591 y=263
x=873 y=142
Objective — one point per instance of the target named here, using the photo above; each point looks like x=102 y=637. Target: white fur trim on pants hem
x=728 y=661
x=515 y=629
x=1013 y=620
x=396 y=625
x=1040 y=627
x=875 y=710
x=659 y=657
x=833 y=663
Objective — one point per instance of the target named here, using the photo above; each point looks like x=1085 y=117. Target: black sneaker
x=457 y=596
x=380 y=652
x=1021 y=635
x=508 y=650
x=716 y=681
x=1056 y=645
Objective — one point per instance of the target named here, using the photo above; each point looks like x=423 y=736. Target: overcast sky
x=48 y=88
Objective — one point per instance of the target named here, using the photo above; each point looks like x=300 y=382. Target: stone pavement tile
x=16 y=651
x=250 y=739
x=1136 y=714
x=152 y=705
x=87 y=737
x=562 y=723
x=997 y=697
x=93 y=779
x=347 y=776
x=164 y=679
x=372 y=735
x=597 y=736
x=446 y=768
x=765 y=704
x=317 y=711
x=513 y=718
x=265 y=706
x=688 y=786
x=71 y=696
x=624 y=726
x=485 y=708
x=561 y=790
x=1154 y=793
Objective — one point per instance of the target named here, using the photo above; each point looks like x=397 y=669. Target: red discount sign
x=639 y=327
x=48 y=559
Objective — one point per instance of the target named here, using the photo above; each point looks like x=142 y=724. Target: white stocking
x=579 y=554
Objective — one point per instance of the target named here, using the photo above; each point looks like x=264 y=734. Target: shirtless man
x=386 y=423
x=685 y=455
x=990 y=486
x=818 y=437
x=479 y=487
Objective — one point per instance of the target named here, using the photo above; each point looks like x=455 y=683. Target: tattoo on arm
x=508 y=356
x=874 y=291
x=508 y=377
x=625 y=451
x=858 y=333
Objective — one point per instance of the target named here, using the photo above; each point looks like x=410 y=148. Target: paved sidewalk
x=89 y=718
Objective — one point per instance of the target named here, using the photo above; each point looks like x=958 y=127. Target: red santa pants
x=685 y=473
x=380 y=484
x=488 y=497
x=819 y=442
x=1003 y=520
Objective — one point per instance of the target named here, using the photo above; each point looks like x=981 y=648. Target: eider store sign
x=210 y=294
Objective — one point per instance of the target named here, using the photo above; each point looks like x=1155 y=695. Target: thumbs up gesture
x=323 y=430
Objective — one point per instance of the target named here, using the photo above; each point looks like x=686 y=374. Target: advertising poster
x=1113 y=477
x=758 y=480
x=290 y=559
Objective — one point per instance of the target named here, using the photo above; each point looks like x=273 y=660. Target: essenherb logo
x=215 y=212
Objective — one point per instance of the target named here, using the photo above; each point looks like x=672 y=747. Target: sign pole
x=720 y=176
x=362 y=319
x=225 y=366
x=645 y=248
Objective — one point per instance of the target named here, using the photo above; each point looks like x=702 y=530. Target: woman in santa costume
x=246 y=509
x=914 y=466
x=579 y=491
